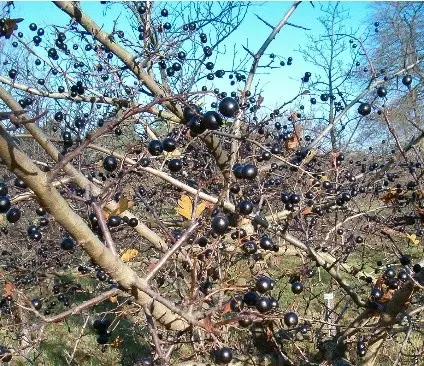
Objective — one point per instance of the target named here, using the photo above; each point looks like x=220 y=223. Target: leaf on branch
x=334 y=155
x=126 y=201
x=260 y=100
x=185 y=207
x=11 y=26
x=381 y=285
x=413 y=238
x=386 y=297
x=293 y=141
x=129 y=255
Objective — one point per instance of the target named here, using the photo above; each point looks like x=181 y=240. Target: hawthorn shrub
x=148 y=217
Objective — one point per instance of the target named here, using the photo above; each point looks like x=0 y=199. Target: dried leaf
x=413 y=239
x=129 y=255
x=116 y=342
x=105 y=213
x=392 y=232
x=113 y=299
x=386 y=297
x=260 y=100
x=307 y=211
x=334 y=155
x=226 y=308
x=126 y=201
x=381 y=285
x=390 y=195
x=173 y=154
x=293 y=141
x=11 y=26
x=185 y=207
x=8 y=289
x=207 y=323
x=151 y=266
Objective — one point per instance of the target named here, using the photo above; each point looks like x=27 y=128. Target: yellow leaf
x=113 y=298
x=126 y=201
x=413 y=238
x=129 y=254
x=173 y=154
x=324 y=178
x=185 y=207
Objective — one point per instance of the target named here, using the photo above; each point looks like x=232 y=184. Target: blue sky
x=279 y=84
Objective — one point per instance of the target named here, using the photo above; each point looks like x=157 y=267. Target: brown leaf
x=260 y=100
x=11 y=26
x=116 y=342
x=386 y=297
x=334 y=154
x=151 y=266
x=208 y=324
x=8 y=289
x=307 y=211
x=293 y=141
x=226 y=308
x=391 y=195
x=105 y=213
x=381 y=285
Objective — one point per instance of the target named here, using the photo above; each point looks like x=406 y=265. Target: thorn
x=248 y=51
x=269 y=25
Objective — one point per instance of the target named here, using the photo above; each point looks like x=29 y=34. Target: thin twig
x=171 y=251
x=103 y=227
x=153 y=333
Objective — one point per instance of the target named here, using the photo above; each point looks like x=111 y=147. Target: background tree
x=396 y=38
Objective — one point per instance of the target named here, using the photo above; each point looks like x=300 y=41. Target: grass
x=59 y=341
